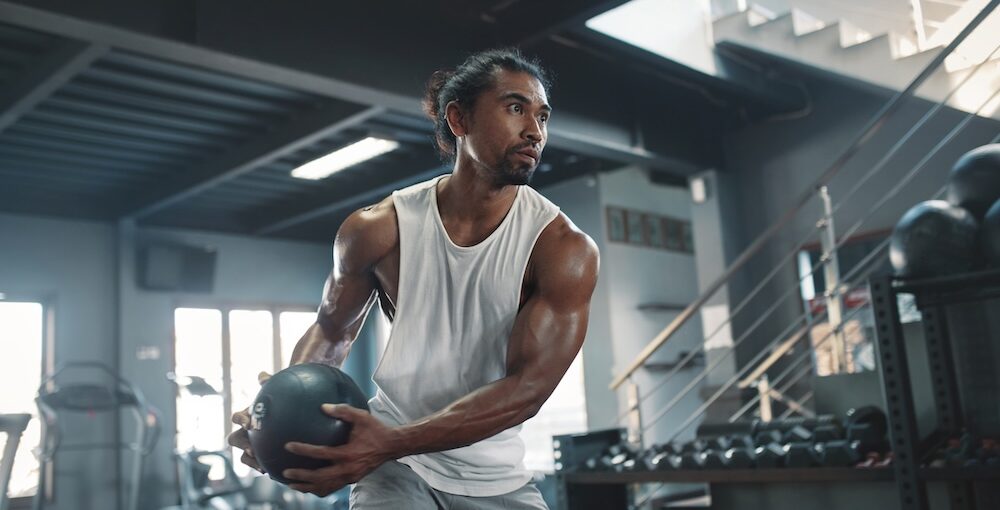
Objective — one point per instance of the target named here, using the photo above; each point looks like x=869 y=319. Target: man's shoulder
x=370 y=233
x=562 y=242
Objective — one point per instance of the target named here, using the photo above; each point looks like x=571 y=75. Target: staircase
x=883 y=43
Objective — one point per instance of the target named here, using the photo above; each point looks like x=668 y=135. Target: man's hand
x=239 y=438
x=370 y=445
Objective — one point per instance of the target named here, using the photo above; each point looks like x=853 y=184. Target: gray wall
x=631 y=276
x=772 y=163
x=73 y=264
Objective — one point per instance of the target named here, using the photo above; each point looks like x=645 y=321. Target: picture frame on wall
x=654 y=231
x=673 y=234
x=634 y=228
x=616 y=224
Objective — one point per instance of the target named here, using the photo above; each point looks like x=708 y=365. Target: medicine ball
x=287 y=408
x=974 y=182
x=990 y=234
x=934 y=238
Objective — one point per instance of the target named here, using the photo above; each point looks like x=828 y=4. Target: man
x=488 y=287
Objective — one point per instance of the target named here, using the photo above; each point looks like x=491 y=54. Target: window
x=227 y=348
x=20 y=375
x=565 y=412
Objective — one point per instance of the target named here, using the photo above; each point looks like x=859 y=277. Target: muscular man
x=488 y=288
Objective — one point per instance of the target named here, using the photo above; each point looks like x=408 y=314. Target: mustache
x=527 y=145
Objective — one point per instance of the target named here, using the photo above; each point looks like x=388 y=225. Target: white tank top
x=455 y=309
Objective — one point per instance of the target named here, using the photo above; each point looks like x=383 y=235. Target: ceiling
x=102 y=123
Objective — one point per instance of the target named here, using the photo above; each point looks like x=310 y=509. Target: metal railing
x=755 y=373
x=860 y=140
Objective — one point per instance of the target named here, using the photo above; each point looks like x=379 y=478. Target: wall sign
x=638 y=228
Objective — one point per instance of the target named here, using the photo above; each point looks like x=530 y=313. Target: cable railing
x=804 y=317
x=800 y=327
x=858 y=142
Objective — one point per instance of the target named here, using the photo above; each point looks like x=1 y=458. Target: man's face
x=507 y=128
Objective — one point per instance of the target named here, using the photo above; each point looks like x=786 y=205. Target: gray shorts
x=394 y=485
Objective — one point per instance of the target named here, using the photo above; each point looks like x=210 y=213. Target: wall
x=71 y=266
x=74 y=264
x=773 y=163
x=639 y=275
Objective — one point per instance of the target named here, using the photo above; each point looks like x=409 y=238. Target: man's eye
x=516 y=108
x=545 y=118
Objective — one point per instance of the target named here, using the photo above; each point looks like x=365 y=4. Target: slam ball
x=934 y=238
x=974 y=182
x=287 y=408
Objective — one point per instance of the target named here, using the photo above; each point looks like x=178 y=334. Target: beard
x=511 y=172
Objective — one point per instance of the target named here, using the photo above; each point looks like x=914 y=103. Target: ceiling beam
x=44 y=77
x=305 y=130
x=564 y=133
x=353 y=200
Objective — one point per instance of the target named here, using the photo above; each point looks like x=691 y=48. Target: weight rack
x=933 y=297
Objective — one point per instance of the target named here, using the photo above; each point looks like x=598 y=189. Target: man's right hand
x=240 y=438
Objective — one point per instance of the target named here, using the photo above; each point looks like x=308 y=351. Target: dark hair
x=466 y=82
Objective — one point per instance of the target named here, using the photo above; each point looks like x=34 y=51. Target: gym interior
x=794 y=202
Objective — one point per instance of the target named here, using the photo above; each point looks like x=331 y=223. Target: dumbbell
x=766 y=437
x=742 y=457
x=770 y=455
x=839 y=453
x=800 y=455
x=868 y=426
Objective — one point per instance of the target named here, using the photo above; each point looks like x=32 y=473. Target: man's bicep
x=550 y=329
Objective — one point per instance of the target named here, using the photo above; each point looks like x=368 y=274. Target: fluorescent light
x=340 y=159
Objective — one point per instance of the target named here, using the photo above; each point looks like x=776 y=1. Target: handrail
x=866 y=134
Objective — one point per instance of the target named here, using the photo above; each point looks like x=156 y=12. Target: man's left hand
x=365 y=450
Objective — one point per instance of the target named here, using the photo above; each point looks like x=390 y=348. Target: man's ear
x=457 y=120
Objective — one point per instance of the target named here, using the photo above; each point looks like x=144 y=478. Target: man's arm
x=363 y=239
x=547 y=335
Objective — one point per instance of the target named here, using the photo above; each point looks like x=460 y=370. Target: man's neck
x=468 y=195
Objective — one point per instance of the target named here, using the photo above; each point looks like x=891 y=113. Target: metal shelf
x=783 y=475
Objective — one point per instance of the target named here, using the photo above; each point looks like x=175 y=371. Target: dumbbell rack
x=909 y=449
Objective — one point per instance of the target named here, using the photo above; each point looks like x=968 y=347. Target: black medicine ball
x=934 y=238
x=974 y=182
x=287 y=408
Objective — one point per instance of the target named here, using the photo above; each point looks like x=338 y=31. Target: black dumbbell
x=797 y=434
x=800 y=455
x=743 y=457
x=766 y=437
x=771 y=455
x=711 y=459
x=839 y=453
x=828 y=432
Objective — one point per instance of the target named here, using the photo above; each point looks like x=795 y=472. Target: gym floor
x=782 y=317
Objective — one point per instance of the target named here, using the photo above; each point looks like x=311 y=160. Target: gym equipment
x=839 y=453
x=743 y=457
x=825 y=433
x=13 y=426
x=934 y=238
x=974 y=182
x=287 y=408
x=800 y=455
x=990 y=235
x=867 y=425
x=67 y=391
x=571 y=451
x=771 y=455
x=797 y=434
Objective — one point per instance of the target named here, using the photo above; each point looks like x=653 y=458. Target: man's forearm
x=481 y=414
x=316 y=346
